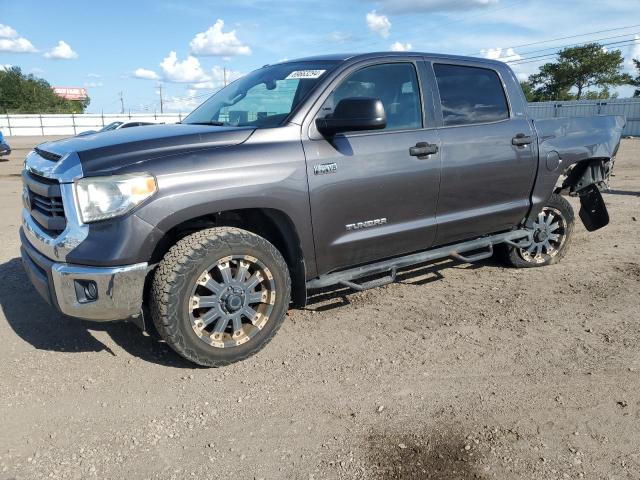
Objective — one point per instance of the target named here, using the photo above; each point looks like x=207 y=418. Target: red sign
x=71 y=93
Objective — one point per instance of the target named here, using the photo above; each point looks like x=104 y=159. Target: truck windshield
x=264 y=97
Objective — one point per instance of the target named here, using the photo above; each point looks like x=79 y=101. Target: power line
x=412 y=19
x=621 y=43
x=564 y=38
x=594 y=40
x=540 y=58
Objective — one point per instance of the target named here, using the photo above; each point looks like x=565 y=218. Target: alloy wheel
x=232 y=301
x=549 y=235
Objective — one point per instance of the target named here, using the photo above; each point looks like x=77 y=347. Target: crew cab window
x=395 y=84
x=470 y=95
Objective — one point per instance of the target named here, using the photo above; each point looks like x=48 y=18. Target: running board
x=517 y=238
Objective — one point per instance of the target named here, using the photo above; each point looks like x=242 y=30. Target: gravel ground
x=453 y=372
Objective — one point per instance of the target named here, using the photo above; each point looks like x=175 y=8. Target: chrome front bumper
x=93 y=293
x=116 y=292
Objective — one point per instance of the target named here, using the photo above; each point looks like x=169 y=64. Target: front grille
x=54 y=157
x=51 y=207
x=44 y=202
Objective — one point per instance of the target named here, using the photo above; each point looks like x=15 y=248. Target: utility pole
x=121 y=104
x=161 y=103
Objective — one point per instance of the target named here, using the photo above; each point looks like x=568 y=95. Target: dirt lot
x=454 y=372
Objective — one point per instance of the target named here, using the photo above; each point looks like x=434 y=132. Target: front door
x=370 y=197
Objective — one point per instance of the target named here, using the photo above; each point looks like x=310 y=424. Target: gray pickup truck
x=331 y=170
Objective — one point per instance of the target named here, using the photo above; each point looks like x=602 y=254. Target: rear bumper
x=92 y=293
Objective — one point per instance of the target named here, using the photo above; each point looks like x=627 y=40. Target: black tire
x=180 y=274
x=520 y=258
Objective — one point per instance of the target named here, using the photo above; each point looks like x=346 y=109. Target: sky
x=134 y=47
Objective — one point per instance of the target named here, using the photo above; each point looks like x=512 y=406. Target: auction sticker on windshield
x=304 y=74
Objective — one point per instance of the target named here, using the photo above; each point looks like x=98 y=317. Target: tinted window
x=395 y=84
x=470 y=95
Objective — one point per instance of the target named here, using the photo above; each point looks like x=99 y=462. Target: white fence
x=627 y=107
x=71 y=124
x=60 y=124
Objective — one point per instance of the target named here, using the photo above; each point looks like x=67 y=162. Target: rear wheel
x=552 y=231
x=219 y=295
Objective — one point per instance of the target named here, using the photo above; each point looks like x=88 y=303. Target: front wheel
x=552 y=231
x=219 y=295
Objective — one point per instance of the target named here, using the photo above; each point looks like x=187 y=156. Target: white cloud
x=93 y=75
x=502 y=54
x=522 y=71
x=5 y=66
x=217 y=79
x=93 y=84
x=16 y=45
x=522 y=76
x=7 y=32
x=400 y=47
x=145 y=74
x=338 y=37
x=10 y=41
x=208 y=85
x=415 y=6
x=218 y=74
x=379 y=24
x=187 y=71
x=218 y=43
x=62 y=51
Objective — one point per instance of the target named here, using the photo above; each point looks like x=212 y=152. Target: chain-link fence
x=628 y=107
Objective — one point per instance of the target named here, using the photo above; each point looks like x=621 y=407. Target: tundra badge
x=369 y=223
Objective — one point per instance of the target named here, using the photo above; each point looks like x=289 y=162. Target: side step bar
x=517 y=238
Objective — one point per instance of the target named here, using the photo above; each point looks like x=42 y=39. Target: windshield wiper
x=212 y=122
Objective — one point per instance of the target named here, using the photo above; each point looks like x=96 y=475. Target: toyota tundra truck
x=324 y=171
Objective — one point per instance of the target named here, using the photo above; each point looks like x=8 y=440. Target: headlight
x=107 y=197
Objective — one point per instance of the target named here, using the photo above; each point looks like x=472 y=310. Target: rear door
x=370 y=198
x=486 y=179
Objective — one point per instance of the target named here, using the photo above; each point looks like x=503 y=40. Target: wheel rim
x=232 y=301
x=549 y=235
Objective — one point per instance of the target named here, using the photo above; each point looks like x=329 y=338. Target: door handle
x=422 y=150
x=521 y=140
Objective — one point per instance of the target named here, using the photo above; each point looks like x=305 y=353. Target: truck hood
x=110 y=151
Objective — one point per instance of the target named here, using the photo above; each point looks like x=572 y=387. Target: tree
x=579 y=68
x=20 y=93
x=600 y=94
x=527 y=89
x=636 y=82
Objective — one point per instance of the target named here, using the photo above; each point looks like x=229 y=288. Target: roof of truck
x=363 y=56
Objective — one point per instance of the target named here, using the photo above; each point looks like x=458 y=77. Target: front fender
x=261 y=173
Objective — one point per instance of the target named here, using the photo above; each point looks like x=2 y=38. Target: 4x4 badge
x=323 y=168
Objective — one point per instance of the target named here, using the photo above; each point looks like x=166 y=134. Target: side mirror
x=354 y=114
